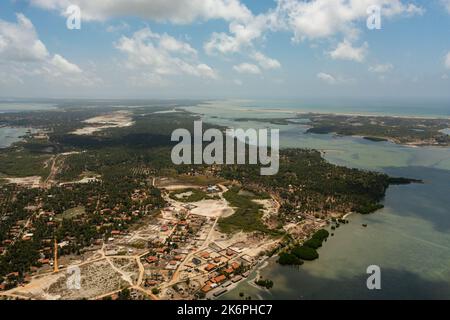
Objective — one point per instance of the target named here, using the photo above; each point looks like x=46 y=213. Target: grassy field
x=71 y=213
x=247 y=216
x=188 y=195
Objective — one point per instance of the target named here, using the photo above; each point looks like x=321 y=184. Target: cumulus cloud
x=65 y=66
x=176 y=11
x=307 y=20
x=381 y=68
x=159 y=55
x=345 y=51
x=247 y=68
x=242 y=35
x=324 y=18
x=265 y=62
x=25 y=55
x=19 y=41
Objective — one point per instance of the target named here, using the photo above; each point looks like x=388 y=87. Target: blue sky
x=225 y=49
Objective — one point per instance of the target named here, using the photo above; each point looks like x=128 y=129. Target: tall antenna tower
x=55 y=257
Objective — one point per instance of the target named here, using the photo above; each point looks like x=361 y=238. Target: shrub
x=305 y=253
x=287 y=259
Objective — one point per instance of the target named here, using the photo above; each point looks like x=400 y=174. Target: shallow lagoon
x=409 y=239
x=10 y=135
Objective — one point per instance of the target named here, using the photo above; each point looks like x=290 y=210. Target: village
x=178 y=254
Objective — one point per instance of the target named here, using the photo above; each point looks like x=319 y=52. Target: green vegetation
x=156 y=291
x=305 y=253
x=268 y=284
x=188 y=195
x=376 y=139
x=126 y=160
x=377 y=129
x=317 y=239
x=125 y=294
x=308 y=251
x=70 y=214
x=286 y=258
x=313 y=243
x=321 y=235
x=316 y=186
x=247 y=216
x=17 y=162
x=275 y=121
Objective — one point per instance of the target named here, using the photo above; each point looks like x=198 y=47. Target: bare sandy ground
x=30 y=182
x=118 y=119
x=179 y=187
x=212 y=208
x=96 y=279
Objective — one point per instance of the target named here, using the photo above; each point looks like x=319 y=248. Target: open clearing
x=118 y=119
x=29 y=182
x=212 y=208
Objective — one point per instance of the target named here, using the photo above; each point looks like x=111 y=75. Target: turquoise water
x=398 y=107
x=409 y=239
x=436 y=108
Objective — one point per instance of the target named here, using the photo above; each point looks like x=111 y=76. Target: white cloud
x=247 y=68
x=159 y=56
x=25 y=56
x=381 y=68
x=324 y=18
x=171 y=44
x=332 y=79
x=65 y=66
x=447 y=60
x=19 y=41
x=176 y=11
x=307 y=20
x=242 y=35
x=265 y=62
x=207 y=71
x=238 y=82
x=345 y=51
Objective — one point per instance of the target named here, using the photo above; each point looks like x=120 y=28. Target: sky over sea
x=225 y=49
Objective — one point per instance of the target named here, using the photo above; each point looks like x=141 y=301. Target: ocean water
x=409 y=239
x=417 y=108
x=394 y=107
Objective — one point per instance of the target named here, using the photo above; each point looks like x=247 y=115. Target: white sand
x=118 y=119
